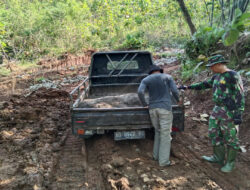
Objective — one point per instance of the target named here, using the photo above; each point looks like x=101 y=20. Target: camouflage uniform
x=229 y=105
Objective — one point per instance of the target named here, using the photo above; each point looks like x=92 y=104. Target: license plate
x=123 y=135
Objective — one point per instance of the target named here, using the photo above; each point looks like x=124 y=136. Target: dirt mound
x=67 y=58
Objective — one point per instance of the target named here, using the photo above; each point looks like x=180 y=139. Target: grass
x=17 y=67
x=27 y=65
x=4 y=72
x=39 y=79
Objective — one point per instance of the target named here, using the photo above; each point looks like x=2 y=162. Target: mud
x=32 y=131
x=38 y=151
x=70 y=170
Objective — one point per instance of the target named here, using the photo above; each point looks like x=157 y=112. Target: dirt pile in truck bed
x=118 y=101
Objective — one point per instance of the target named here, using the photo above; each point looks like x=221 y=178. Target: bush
x=134 y=41
x=204 y=42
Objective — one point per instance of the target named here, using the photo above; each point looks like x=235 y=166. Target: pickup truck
x=112 y=74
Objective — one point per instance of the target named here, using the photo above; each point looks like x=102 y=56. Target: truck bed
x=117 y=112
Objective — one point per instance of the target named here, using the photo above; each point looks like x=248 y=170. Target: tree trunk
x=187 y=16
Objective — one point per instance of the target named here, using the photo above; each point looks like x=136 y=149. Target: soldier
x=227 y=113
x=160 y=86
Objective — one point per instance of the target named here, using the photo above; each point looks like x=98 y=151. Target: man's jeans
x=162 y=121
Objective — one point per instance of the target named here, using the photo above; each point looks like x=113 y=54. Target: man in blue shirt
x=160 y=86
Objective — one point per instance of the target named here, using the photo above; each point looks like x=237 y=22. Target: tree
x=187 y=16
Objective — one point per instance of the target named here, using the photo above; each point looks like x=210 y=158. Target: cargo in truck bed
x=116 y=101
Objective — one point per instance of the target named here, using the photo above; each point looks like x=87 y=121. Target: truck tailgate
x=119 y=118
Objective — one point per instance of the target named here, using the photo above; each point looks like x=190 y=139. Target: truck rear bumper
x=97 y=121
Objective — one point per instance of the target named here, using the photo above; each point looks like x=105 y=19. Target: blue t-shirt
x=160 y=87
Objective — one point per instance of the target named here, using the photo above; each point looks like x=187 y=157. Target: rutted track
x=78 y=167
x=70 y=170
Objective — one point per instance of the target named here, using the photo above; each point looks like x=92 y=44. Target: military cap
x=216 y=59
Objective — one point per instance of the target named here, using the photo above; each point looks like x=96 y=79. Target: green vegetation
x=209 y=39
x=22 y=66
x=37 y=28
x=228 y=21
x=27 y=65
x=2 y=32
x=39 y=79
x=30 y=30
x=4 y=72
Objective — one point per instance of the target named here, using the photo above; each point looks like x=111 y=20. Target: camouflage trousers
x=222 y=129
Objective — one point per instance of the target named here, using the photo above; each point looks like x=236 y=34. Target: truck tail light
x=80 y=121
x=175 y=129
x=80 y=131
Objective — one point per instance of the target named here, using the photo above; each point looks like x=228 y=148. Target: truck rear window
x=117 y=65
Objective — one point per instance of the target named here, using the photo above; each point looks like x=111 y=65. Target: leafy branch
x=240 y=22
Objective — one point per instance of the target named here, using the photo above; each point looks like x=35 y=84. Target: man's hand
x=180 y=103
x=237 y=119
x=183 y=87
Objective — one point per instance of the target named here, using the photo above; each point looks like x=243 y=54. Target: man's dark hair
x=154 y=68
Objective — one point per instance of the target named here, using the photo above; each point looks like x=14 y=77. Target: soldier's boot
x=218 y=156
x=231 y=157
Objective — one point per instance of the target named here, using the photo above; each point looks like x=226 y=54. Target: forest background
x=35 y=29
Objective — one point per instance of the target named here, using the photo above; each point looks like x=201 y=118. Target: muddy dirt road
x=38 y=151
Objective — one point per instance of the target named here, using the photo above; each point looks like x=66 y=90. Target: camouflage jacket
x=227 y=90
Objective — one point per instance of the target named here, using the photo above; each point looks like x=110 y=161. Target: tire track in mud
x=93 y=151
x=78 y=166
x=70 y=169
